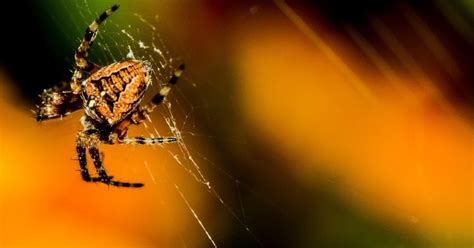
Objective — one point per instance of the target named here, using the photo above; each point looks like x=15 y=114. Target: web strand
x=118 y=42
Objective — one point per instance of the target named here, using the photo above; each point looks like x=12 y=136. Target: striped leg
x=95 y=155
x=84 y=141
x=146 y=141
x=158 y=98
x=83 y=50
x=103 y=177
x=81 y=155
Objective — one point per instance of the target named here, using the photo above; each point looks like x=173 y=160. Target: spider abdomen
x=114 y=91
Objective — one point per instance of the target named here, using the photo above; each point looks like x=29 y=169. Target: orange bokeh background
x=400 y=154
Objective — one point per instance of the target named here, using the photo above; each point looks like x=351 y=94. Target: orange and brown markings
x=113 y=92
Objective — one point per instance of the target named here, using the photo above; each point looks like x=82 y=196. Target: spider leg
x=146 y=141
x=103 y=177
x=95 y=155
x=57 y=102
x=83 y=50
x=158 y=98
x=81 y=155
x=84 y=142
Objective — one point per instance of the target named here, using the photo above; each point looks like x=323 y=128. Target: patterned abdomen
x=114 y=91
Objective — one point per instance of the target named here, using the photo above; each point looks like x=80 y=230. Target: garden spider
x=110 y=97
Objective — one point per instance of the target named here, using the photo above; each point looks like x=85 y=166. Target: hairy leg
x=89 y=140
x=57 y=102
x=82 y=52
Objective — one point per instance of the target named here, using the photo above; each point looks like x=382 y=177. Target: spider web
x=205 y=184
x=141 y=39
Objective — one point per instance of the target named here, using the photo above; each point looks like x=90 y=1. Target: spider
x=110 y=97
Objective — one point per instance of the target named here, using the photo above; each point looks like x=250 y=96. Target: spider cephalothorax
x=110 y=97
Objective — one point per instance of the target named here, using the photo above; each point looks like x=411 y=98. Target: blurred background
x=304 y=124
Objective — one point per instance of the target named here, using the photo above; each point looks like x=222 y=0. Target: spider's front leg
x=81 y=154
x=103 y=177
x=89 y=139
